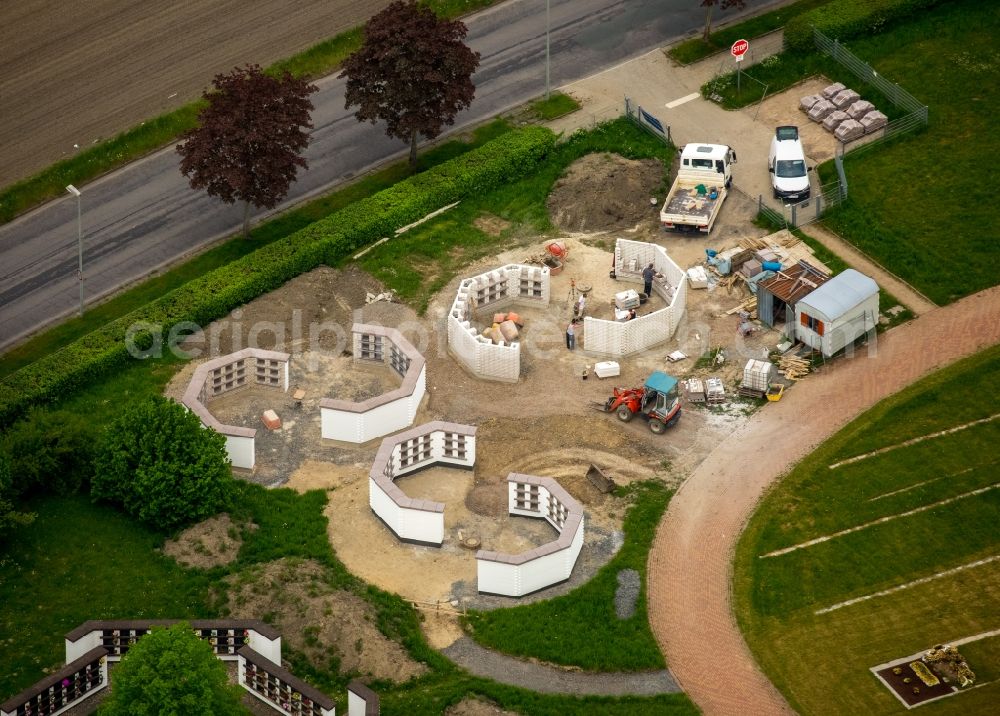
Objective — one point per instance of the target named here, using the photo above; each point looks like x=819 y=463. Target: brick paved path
x=691 y=560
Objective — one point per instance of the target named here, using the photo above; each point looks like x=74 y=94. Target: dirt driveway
x=75 y=73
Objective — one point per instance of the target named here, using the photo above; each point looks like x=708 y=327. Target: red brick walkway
x=690 y=565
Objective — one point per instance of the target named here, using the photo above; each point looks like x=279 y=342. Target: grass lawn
x=920 y=206
x=557 y=105
x=820 y=661
x=272 y=230
x=696 y=48
x=420 y=262
x=581 y=628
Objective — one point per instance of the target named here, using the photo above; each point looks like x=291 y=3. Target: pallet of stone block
x=820 y=110
x=694 y=390
x=860 y=108
x=845 y=98
x=831 y=91
x=806 y=103
x=849 y=129
x=834 y=119
x=873 y=121
x=715 y=392
x=508 y=329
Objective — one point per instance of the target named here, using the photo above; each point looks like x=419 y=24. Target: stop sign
x=739 y=48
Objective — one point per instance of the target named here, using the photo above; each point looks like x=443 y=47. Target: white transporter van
x=787 y=165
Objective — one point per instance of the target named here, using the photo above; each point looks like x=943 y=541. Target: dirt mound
x=323 y=623
x=211 y=543
x=601 y=192
x=476 y=707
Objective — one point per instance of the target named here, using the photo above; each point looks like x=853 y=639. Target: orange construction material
x=515 y=318
x=271 y=420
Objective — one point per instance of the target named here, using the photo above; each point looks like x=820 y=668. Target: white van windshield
x=790 y=168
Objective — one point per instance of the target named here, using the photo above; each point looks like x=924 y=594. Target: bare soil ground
x=319 y=621
x=104 y=66
x=211 y=543
x=477 y=707
x=604 y=191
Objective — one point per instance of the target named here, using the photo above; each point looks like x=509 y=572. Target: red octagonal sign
x=739 y=48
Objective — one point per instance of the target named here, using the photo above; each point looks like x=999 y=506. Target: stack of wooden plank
x=748 y=306
x=793 y=367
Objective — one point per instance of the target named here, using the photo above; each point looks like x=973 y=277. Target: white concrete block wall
x=421 y=526
x=498 y=578
x=270 y=649
x=355 y=427
x=76 y=649
x=623 y=338
x=241 y=451
x=479 y=355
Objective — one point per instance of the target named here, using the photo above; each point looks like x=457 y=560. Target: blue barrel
x=771 y=266
x=711 y=253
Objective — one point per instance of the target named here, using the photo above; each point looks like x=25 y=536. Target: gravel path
x=690 y=565
x=551 y=680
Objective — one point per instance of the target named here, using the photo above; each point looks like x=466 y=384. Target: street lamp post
x=79 y=240
x=547 y=26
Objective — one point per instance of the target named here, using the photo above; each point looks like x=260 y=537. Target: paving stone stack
x=860 y=108
x=845 y=98
x=849 y=130
x=807 y=102
x=820 y=110
x=873 y=121
x=831 y=91
x=834 y=119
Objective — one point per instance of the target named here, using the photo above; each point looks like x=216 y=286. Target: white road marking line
x=949 y=431
x=880 y=520
x=683 y=100
x=914 y=583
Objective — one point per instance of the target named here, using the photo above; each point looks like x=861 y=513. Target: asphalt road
x=145 y=216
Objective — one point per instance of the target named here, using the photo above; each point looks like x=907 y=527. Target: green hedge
x=327 y=241
x=847 y=19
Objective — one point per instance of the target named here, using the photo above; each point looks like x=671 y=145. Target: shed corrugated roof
x=793 y=283
x=841 y=293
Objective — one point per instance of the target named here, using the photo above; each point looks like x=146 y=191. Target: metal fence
x=805 y=212
x=647 y=121
x=916 y=116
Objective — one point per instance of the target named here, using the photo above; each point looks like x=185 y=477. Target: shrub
x=172 y=671
x=162 y=466
x=847 y=19
x=328 y=241
x=9 y=517
x=49 y=451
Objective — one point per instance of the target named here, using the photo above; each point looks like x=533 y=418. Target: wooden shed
x=777 y=295
x=837 y=313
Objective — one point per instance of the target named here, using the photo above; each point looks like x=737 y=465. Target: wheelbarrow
x=775 y=391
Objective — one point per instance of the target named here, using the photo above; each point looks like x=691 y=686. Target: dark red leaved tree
x=413 y=71
x=249 y=140
x=723 y=5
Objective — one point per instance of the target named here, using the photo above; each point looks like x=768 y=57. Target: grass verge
x=696 y=48
x=581 y=628
x=148 y=136
x=284 y=225
x=777 y=598
x=557 y=105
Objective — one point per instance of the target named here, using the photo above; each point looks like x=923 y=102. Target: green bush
x=51 y=451
x=162 y=466
x=327 y=241
x=847 y=19
x=9 y=517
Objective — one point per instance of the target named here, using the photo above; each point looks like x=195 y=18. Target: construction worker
x=581 y=303
x=647 y=279
x=571 y=335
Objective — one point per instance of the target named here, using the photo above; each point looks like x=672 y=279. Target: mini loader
x=657 y=400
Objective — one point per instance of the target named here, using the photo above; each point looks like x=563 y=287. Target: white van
x=787 y=165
